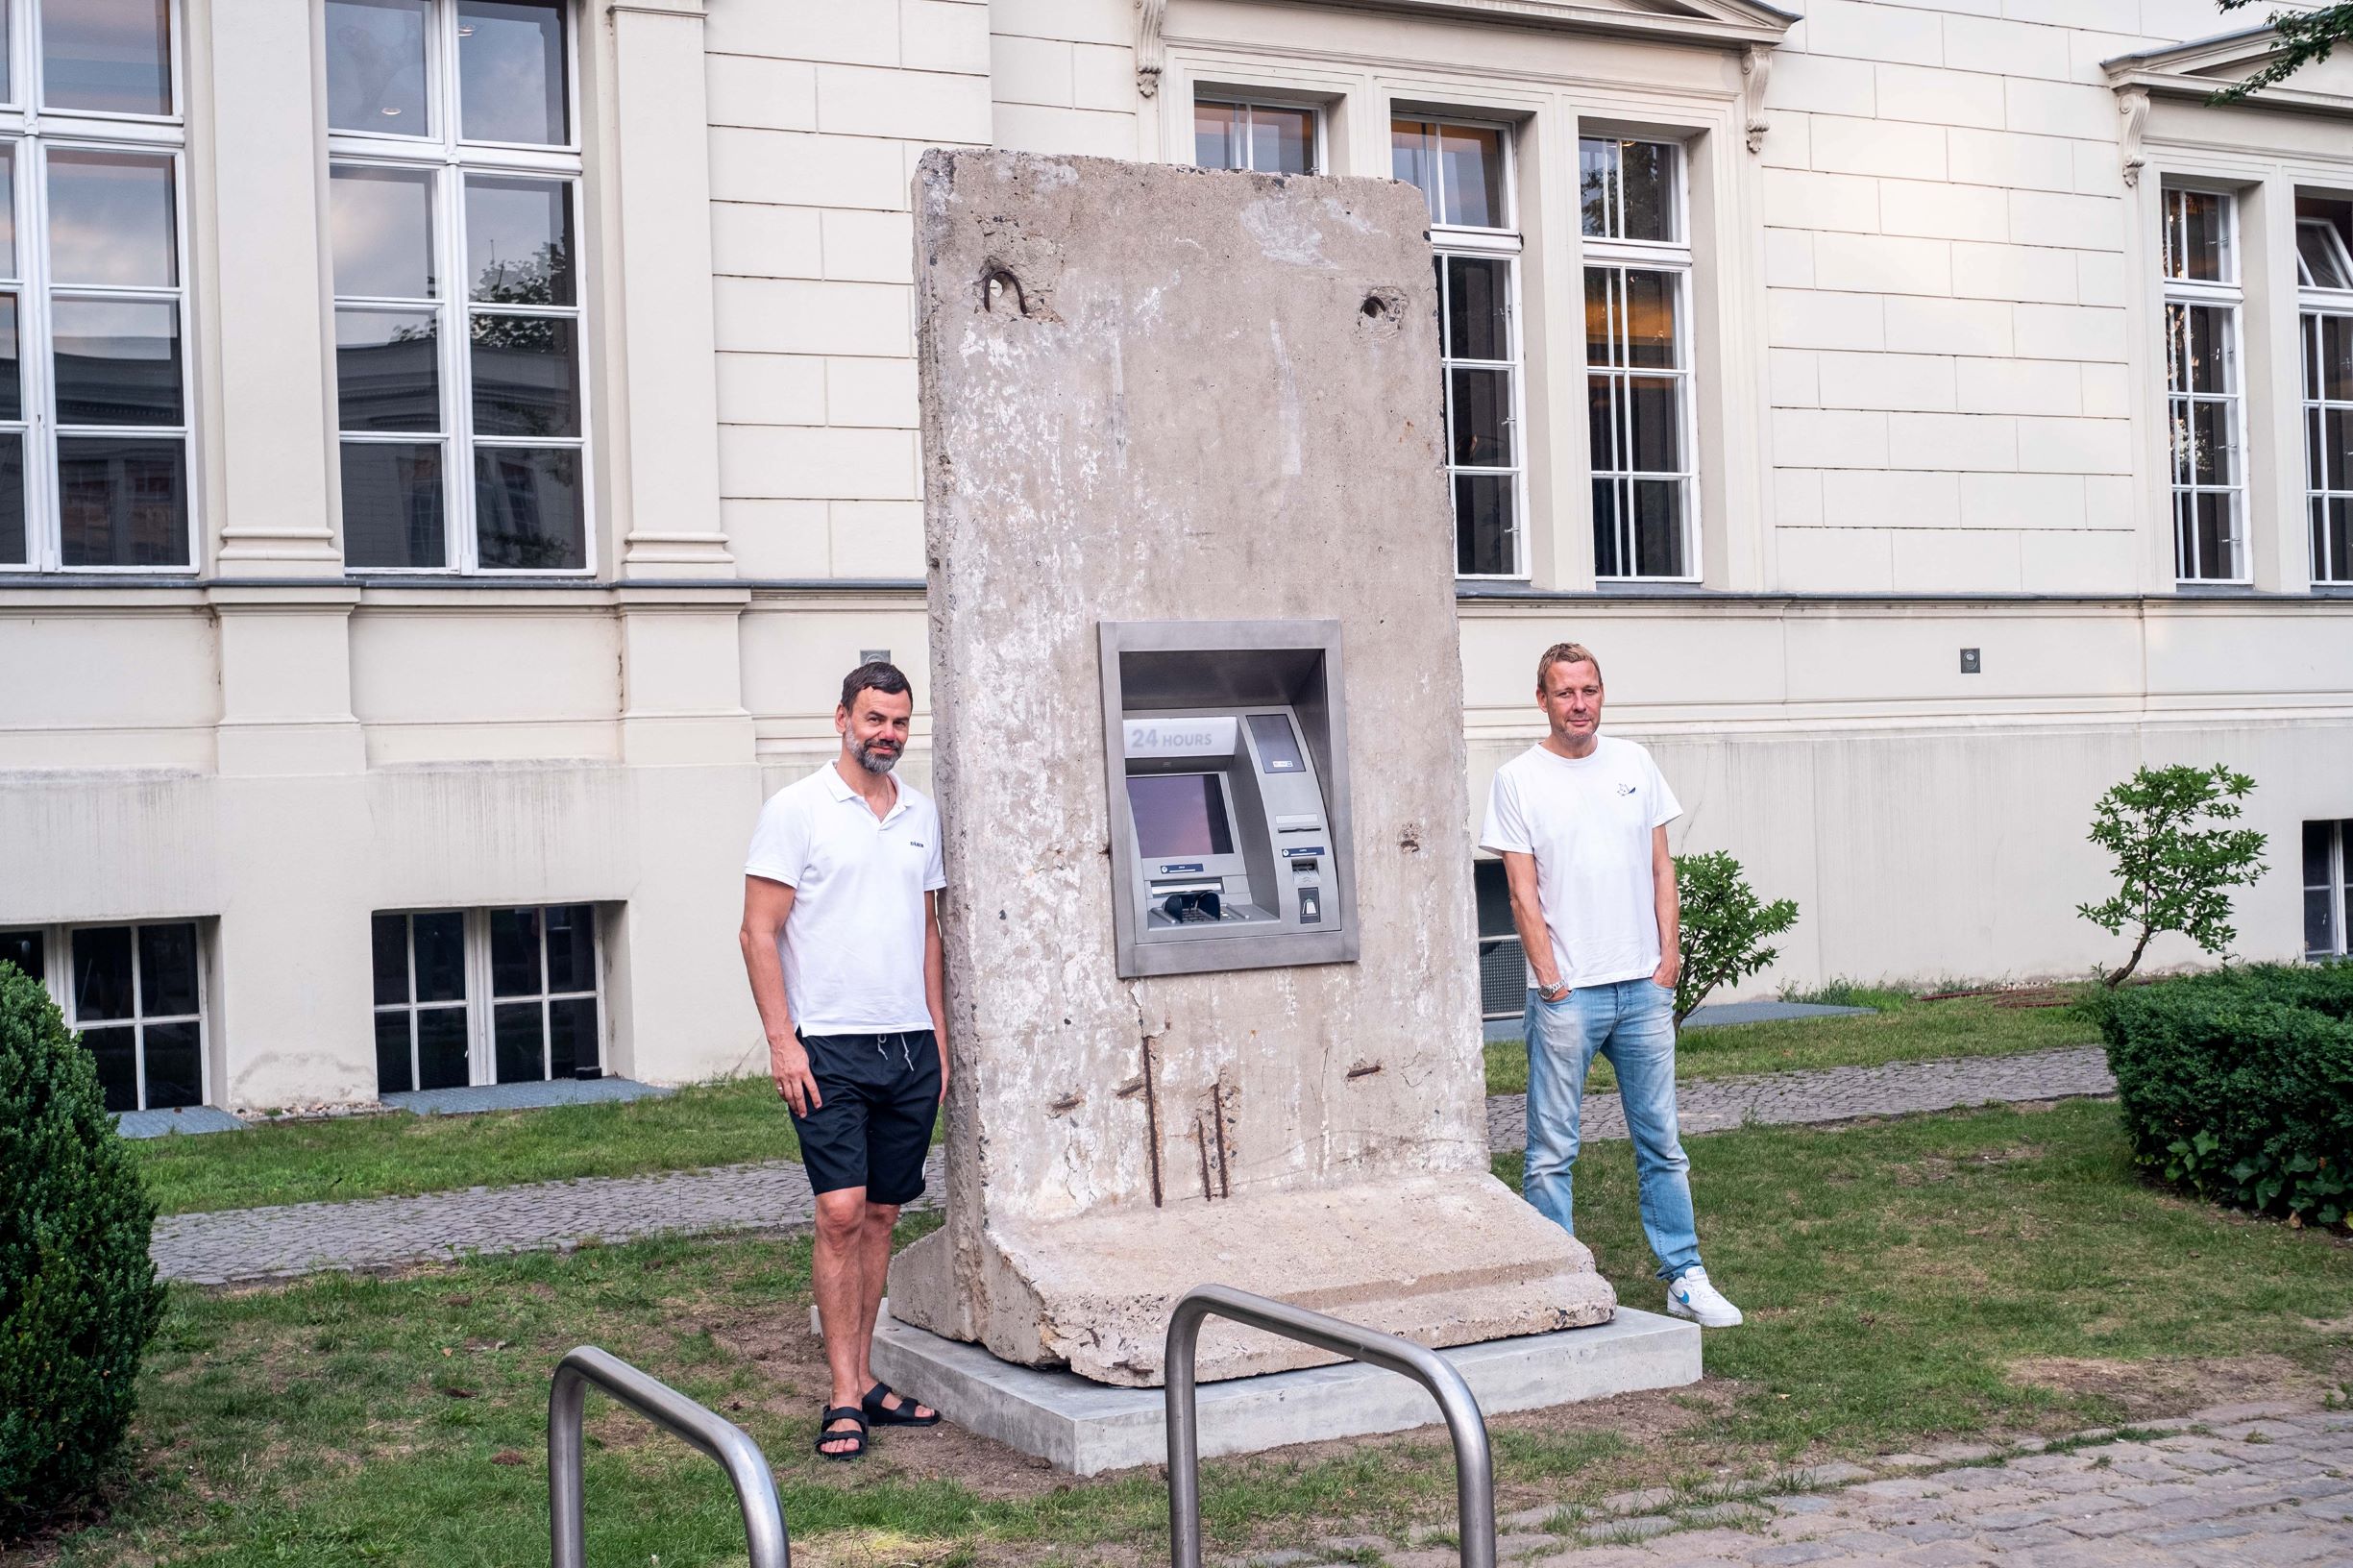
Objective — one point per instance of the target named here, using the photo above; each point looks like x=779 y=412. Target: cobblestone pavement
x=234 y=1244
x=2237 y=1486
x=1838 y=1093
x=375 y=1233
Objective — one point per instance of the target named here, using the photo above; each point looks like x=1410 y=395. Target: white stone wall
x=1929 y=339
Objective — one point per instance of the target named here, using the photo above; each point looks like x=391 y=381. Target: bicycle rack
x=1474 y=1465
x=755 y=1488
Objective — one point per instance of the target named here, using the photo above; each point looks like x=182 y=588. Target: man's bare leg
x=881 y=1219
x=838 y=1277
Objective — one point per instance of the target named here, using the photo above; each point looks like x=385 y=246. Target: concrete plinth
x=1087 y=1428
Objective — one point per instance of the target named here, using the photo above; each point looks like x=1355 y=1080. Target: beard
x=875 y=756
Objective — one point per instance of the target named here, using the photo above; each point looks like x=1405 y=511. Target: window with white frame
x=2203 y=388
x=2328 y=887
x=94 y=390
x=486 y=996
x=453 y=206
x=2324 y=272
x=1464 y=171
x=1638 y=358
x=136 y=994
x=1270 y=138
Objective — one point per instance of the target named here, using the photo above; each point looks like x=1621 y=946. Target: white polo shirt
x=853 y=945
x=1587 y=821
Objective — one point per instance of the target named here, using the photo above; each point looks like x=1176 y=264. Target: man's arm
x=1528 y=918
x=767 y=904
x=1670 y=911
x=935 y=982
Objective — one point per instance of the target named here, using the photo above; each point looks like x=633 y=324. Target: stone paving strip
x=239 y=1244
x=1838 y=1093
x=2236 y=1486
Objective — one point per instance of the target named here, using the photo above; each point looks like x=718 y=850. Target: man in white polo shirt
x=1581 y=819
x=840 y=936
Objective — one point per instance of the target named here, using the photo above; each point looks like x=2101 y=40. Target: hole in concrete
x=1001 y=291
x=1384 y=309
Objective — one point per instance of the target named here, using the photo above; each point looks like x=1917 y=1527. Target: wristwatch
x=1555 y=994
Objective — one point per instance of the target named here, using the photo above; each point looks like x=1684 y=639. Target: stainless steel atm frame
x=1191 y=669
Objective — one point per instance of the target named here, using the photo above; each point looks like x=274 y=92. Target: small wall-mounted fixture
x=1968 y=661
x=882 y=655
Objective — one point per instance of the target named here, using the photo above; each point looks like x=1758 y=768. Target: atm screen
x=1178 y=813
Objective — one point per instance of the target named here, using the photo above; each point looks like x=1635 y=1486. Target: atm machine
x=1227 y=770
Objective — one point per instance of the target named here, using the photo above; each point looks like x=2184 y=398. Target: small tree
x=78 y=1295
x=2175 y=868
x=1725 y=927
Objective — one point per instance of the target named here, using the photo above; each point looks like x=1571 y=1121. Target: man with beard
x=840 y=936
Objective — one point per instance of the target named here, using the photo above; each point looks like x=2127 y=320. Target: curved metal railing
x=746 y=1467
x=1474 y=1465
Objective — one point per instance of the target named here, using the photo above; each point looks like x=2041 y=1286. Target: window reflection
x=376 y=66
x=510 y=60
x=112 y=57
x=382 y=231
x=110 y=219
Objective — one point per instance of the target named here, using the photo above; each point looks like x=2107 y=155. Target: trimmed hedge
x=2239 y=1085
x=79 y=1298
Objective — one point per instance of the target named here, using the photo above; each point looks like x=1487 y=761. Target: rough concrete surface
x=1160 y=393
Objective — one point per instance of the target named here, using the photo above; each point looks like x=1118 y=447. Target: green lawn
x=718 y=1124
x=1904 y=1029
x=366 y=1157
x=1983 y=1272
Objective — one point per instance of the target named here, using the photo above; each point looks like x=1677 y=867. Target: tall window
x=1464 y=170
x=2203 y=387
x=2328 y=887
x=537 y=967
x=455 y=205
x=1271 y=138
x=2324 y=268
x=1638 y=358
x=93 y=382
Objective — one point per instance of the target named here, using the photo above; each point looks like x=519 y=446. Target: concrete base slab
x=193 y=1118
x=531 y=1096
x=1087 y=1428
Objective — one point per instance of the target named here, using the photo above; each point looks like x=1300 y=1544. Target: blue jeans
x=1632 y=1023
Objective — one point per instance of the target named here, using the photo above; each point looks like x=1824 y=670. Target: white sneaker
x=1690 y=1295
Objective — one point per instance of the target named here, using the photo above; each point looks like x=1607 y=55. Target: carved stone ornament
x=1151 y=24
x=1757 y=64
x=2133 y=103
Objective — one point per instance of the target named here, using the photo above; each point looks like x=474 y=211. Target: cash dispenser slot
x=1227 y=751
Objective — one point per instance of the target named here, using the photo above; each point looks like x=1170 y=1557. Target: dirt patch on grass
x=2153 y=1390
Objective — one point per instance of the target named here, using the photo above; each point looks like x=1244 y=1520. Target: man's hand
x=1670 y=970
x=788 y=1062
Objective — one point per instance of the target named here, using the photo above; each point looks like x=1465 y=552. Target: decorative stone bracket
x=2133 y=104
x=1757 y=64
x=1151 y=29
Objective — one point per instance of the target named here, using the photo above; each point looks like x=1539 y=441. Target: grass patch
x=1968 y=1274
x=1905 y=1029
x=398 y=1155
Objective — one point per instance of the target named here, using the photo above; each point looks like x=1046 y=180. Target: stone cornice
x=1721 y=23
x=2205 y=67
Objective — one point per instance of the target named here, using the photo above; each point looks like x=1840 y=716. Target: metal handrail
x=746 y=1467
x=1474 y=1465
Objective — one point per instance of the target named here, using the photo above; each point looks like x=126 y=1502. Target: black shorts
x=881 y=1096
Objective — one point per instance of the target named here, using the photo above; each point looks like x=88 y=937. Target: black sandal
x=825 y=1434
x=882 y=1416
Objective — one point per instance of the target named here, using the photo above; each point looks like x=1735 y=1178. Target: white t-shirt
x=1587 y=821
x=853 y=945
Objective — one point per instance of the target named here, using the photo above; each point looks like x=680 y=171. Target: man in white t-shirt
x=1581 y=819
x=841 y=937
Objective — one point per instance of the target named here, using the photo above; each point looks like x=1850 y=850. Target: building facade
x=454 y=449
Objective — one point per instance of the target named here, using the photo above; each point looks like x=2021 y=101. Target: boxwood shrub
x=2239 y=1085
x=78 y=1295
